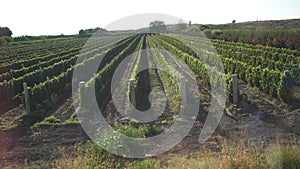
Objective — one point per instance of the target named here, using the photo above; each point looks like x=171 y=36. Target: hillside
x=269 y=24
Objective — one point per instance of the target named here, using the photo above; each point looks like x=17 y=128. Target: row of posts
x=184 y=90
x=132 y=91
x=183 y=83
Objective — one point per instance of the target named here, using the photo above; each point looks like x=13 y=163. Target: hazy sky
x=42 y=17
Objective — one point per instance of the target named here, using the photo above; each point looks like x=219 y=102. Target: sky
x=54 y=17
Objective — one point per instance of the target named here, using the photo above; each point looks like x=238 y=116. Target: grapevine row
x=43 y=92
x=105 y=74
x=272 y=82
x=254 y=56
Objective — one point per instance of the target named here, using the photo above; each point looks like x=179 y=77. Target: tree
x=203 y=27
x=90 y=32
x=5 y=31
x=82 y=33
x=234 y=21
x=2 y=41
x=181 y=25
x=157 y=27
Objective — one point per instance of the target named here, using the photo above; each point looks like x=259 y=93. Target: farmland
x=267 y=111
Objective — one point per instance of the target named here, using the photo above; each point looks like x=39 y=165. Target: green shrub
x=148 y=163
x=288 y=158
x=52 y=119
x=132 y=132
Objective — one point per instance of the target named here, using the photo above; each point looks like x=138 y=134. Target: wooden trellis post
x=132 y=92
x=26 y=96
x=81 y=84
x=11 y=73
x=41 y=72
x=183 y=84
x=5 y=94
x=234 y=89
x=48 y=85
x=5 y=83
x=286 y=72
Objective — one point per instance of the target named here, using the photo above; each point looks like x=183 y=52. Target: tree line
x=5 y=31
x=89 y=32
x=5 y=35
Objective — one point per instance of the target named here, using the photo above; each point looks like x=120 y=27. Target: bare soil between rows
x=260 y=122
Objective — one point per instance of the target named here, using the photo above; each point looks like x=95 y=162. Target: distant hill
x=269 y=24
x=276 y=33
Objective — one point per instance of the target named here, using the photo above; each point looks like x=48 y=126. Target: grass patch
x=51 y=120
x=238 y=156
x=241 y=156
x=168 y=121
x=11 y=119
x=33 y=117
x=9 y=127
x=235 y=155
x=131 y=131
x=70 y=121
x=287 y=157
x=139 y=132
x=142 y=164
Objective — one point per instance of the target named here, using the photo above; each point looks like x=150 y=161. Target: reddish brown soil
x=258 y=121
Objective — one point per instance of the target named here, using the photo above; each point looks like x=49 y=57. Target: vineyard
x=268 y=74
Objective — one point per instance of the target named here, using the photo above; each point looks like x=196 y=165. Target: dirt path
x=43 y=143
x=39 y=144
x=8 y=140
x=258 y=122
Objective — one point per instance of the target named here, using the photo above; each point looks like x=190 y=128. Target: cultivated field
x=260 y=130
